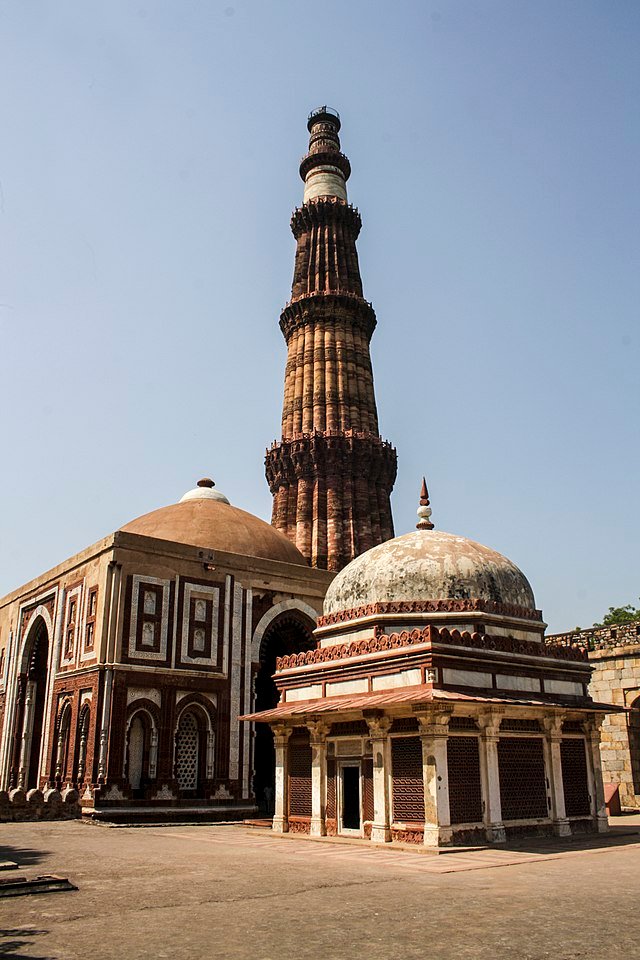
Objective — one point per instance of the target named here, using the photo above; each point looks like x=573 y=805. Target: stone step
x=23 y=886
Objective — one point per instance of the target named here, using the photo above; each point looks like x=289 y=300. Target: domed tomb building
x=431 y=711
x=125 y=668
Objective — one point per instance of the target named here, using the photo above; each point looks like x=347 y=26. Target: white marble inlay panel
x=150 y=655
x=505 y=682
x=563 y=686
x=347 y=686
x=466 y=678
x=146 y=693
x=405 y=678
x=311 y=692
x=213 y=594
x=234 y=682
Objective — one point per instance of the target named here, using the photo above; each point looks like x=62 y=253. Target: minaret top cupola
x=324 y=169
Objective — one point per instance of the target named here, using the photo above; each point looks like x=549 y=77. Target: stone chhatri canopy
x=431 y=710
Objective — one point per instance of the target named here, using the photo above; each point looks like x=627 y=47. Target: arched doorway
x=292 y=632
x=31 y=706
x=140 y=752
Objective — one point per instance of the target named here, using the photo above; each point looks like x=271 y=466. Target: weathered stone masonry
x=614 y=652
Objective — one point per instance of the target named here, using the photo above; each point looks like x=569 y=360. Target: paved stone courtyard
x=186 y=892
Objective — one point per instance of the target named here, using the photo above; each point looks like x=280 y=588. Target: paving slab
x=239 y=892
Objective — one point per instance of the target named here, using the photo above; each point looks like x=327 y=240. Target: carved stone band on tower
x=331 y=475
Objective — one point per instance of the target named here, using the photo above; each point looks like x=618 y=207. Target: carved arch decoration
x=205 y=715
x=82 y=739
x=62 y=738
x=30 y=636
x=285 y=606
x=150 y=718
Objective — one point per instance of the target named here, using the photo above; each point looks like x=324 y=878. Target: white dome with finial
x=204 y=491
x=425 y=565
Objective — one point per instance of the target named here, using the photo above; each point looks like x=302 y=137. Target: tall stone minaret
x=331 y=475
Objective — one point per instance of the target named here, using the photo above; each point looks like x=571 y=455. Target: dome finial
x=424 y=510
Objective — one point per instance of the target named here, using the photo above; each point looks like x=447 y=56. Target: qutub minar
x=331 y=475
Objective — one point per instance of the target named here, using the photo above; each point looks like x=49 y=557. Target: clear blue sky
x=148 y=170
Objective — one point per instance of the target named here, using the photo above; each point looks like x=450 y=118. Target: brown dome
x=216 y=525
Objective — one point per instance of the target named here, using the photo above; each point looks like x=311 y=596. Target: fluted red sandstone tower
x=331 y=475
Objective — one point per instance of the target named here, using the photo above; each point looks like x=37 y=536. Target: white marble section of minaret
x=325 y=181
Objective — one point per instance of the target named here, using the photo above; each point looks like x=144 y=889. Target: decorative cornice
x=328 y=308
x=331 y=158
x=454 y=605
x=348 y=453
x=428 y=635
x=322 y=211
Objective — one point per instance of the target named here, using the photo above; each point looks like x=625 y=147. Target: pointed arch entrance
x=30 y=707
x=291 y=632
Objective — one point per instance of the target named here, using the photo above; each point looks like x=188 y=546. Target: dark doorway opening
x=351 y=798
x=289 y=633
x=37 y=679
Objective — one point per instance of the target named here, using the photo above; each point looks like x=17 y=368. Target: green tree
x=619 y=615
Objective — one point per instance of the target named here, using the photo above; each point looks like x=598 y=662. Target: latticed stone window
x=521 y=761
x=465 y=789
x=408 y=783
x=574 y=777
x=187 y=752
x=300 y=776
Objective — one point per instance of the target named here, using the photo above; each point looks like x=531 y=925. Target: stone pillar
x=281 y=734
x=489 y=724
x=592 y=729
x=381 y=826
x=318 y=731
x=211 y=752
x=434 y=732
x=553 y=763
x=27 y=733
x=153 y=754
x=82 y=749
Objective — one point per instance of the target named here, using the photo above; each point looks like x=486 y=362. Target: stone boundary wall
x=598 y=638
x=614 y=653
x=16 y=805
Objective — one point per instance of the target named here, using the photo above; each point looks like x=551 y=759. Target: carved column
x=82 y=748
x=592 y=729
x=489 y=724
x=27 y=733
x=434 y=732
x=553 y=763
x=318 y=731
x=381 y=746
x=281 y=734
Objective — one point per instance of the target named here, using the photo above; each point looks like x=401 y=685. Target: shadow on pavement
x=619 y=835
x=12 y=942
x=23 y=856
